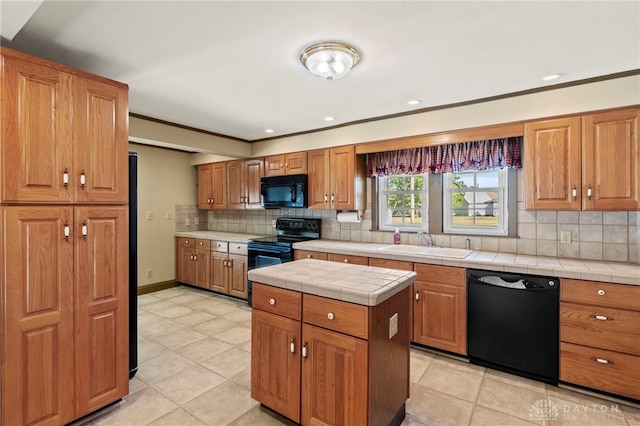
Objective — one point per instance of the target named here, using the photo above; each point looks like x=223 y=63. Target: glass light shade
x=330 y=60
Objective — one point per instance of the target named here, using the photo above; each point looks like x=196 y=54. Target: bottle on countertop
x=396 y=236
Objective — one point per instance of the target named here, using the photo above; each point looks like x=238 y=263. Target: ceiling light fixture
x=551 y=77
x=329 y=118
x=330 y=60
x=268 y=130
x=414 y=102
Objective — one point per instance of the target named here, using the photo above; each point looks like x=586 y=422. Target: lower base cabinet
x=316 y=374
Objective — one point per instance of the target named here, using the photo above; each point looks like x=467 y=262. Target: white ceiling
x=233 y=67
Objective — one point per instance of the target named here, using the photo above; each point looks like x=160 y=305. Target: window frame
x=503 y=189
x=382 y=224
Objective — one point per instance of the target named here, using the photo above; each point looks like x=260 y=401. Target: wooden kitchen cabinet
x=243 y=177
x=336 y=179
x=202 y=275
x=212 y=186
x=62 y=134
x=348 y=258
x=294 y=163
x=309 y=254
x=229 y=264
x=588 y=162
x=63 y=202
x=440 y=307
x=320 y=361
x=599 y=334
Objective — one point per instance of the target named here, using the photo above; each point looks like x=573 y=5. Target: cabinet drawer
x=221 y=246
x=203 y=244
x=186 y=242
x=601 y=294
x=277 y=300
x=436 y=274
x=600 y=369
x=391 y=264
x=606 y=328
x=238 y=248
x=336 y=315
x=308 y=254
x=347 y=258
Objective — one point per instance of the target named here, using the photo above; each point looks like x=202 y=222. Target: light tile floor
x=194 y=369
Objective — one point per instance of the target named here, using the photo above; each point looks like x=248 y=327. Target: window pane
x=488 y=179
x=395 y=184
x=394 y=200
x=464 y=180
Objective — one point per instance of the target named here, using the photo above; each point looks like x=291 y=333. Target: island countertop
x=364 y=285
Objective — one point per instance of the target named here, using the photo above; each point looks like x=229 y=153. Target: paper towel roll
x=349 y=217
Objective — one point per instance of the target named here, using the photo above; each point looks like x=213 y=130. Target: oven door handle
x=263 y=249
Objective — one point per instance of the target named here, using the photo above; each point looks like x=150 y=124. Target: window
x=476 y=202
x=402 y=202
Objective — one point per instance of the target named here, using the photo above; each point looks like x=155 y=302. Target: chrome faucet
x=428 y=239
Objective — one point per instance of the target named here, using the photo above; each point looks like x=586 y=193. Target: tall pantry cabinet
x=63 y=241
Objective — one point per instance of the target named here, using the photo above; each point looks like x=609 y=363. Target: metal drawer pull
x=67 y=231
x=575 y=192
x=326 y=198
x=417 y=296
x=602 y=361
x=589 y=192
x=304 y=350
x=83 y=179
x=601 y=292
x=602 y=317
x=65 y=177
x=84 y=229
x=272 y=302
x=292 y=346
x=330 y=315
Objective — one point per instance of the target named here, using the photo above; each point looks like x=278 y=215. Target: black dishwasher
x=512 y=323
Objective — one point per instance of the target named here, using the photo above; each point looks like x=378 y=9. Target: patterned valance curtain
x=477 y=155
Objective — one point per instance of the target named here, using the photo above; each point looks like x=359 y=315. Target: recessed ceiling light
x=329 y=118
x=414 y=102
x=269 y=131
x=551 y=77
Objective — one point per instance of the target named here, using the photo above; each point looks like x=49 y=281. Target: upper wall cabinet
x=212 y=186
x=63 y=136
x=294 y=163
x=243 y=177
x=587 y=162
x=336 y=179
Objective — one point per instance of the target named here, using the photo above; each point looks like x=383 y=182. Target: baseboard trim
x=145 y=289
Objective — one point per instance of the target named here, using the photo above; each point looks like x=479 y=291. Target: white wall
x=165 y=178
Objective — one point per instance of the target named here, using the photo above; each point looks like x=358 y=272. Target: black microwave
x=283 y=191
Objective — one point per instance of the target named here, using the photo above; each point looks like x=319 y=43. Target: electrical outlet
x=149 y=215
x=149 y=273
x=273 y=223
x=565 y=237
x=169 y=216
x=187 y=221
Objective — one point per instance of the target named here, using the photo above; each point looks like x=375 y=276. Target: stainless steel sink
x=427 y=251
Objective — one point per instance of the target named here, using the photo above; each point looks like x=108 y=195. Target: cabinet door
x=219 y=272
x=219 y=186
x=610 y=161
x=102 y=307
x=37 y=316
x=440 y=316
x=205 y=192
x=236 y=184
x=185 y=268
x=552 y=164
x=254 y=171
x=342 y=162
x=100 y=142
x=309 y=254
x=36 y=142
x=334 y=378
x=274 y=165
x=238 y=276
x=296 y=163
x=275 y=364
x=202 y=268
x=319 y=179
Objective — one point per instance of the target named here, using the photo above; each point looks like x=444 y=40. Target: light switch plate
x=393 y=325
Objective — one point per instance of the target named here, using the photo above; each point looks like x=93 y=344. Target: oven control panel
x=295 y=224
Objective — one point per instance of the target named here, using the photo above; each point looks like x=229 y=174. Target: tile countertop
x=364 y=285
x=232 y=237
x=623 y=273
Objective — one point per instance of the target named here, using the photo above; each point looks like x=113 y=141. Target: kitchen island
x=330 y=342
